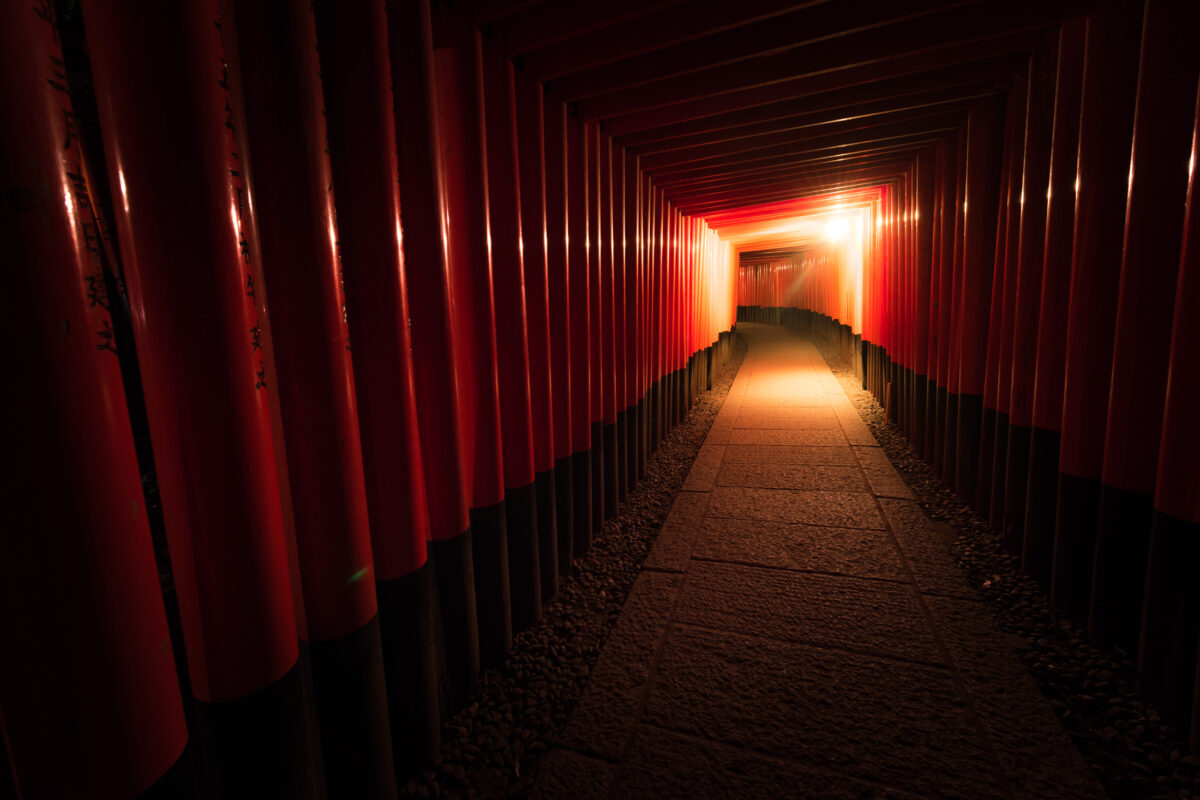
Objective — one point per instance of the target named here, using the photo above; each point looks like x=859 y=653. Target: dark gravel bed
x=492 y=747
x=1133 y=753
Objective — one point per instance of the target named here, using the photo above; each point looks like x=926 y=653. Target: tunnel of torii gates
x=262 y=549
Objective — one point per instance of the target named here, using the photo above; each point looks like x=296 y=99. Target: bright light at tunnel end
x=836 y=229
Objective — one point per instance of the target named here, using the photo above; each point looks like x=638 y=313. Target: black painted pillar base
x=930 y=424
x=624 y=451
x=1075 y=545
x=1016 y=482
x=524 y=558
x=177 y=783
x=628 y=424
x=352 y=714
x=598 y=456
x=982 y=487
x=653 y=418
x=939 y=430
x=262 y=745
x=671 y=401
x=1041 y=506
x=868 y=357
x=678 y=398
x=643 y=435
x=612 y=469
x=493 y=599
x=950 y=440
x=564 y=491
x=456 y=624
x=409 y=645
x=999 y=477
x=690 y=373
x=1119 y=575
x=920 y=392
x=581 y=477
x=547 y=516
x=686 y=384
x=1171 y=618
x=893 y=377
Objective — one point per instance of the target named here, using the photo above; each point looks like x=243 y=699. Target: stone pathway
x=800 y=630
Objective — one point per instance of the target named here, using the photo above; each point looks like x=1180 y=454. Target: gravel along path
x=492 y=747
x=1132 y=751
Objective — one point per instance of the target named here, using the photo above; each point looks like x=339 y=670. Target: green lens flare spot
x=358 y=575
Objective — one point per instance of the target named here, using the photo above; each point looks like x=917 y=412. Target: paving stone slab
x=719 y=434
x=567 y=775
x=848 y=551
x=933 y=567
x=821 y=477
x=889 y=722
x=812 y=438
x=877 y=617
x=704 y=470
x=820 y=418
x=853 y=426
x=672 y=550
x=884 y=479
x=768 y=400
x=689 y=507
x=789 y=454
x=1029 y=741
x=612 y=701
x=673 y=546
x=841 y=509
x=824 y=412
x=666 y=765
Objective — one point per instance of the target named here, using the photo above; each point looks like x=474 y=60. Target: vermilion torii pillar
x=1041 y=501
x=1102 y=183
x=91 y=702
x=427 y=259
x=200 y=328
x=272 y=49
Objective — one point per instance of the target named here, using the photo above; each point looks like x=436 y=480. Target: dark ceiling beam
x=772 y=79
x=861 y=98
x=740 y=196
x=794 y=163
x=714 y=207
x=549 y=24
x=833 y=179
x=827 y=23
x=811 y=201
x=711 y=208
x=485 y=11
x=916 y=131
x=835 y=175
x=906 y=120
x=964 y=24
x=767 y=254
x=655 y=31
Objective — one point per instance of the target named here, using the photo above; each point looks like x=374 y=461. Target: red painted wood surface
x=86 y=639
x=197 y=322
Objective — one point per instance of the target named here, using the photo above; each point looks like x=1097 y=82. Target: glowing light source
x=835 y=229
